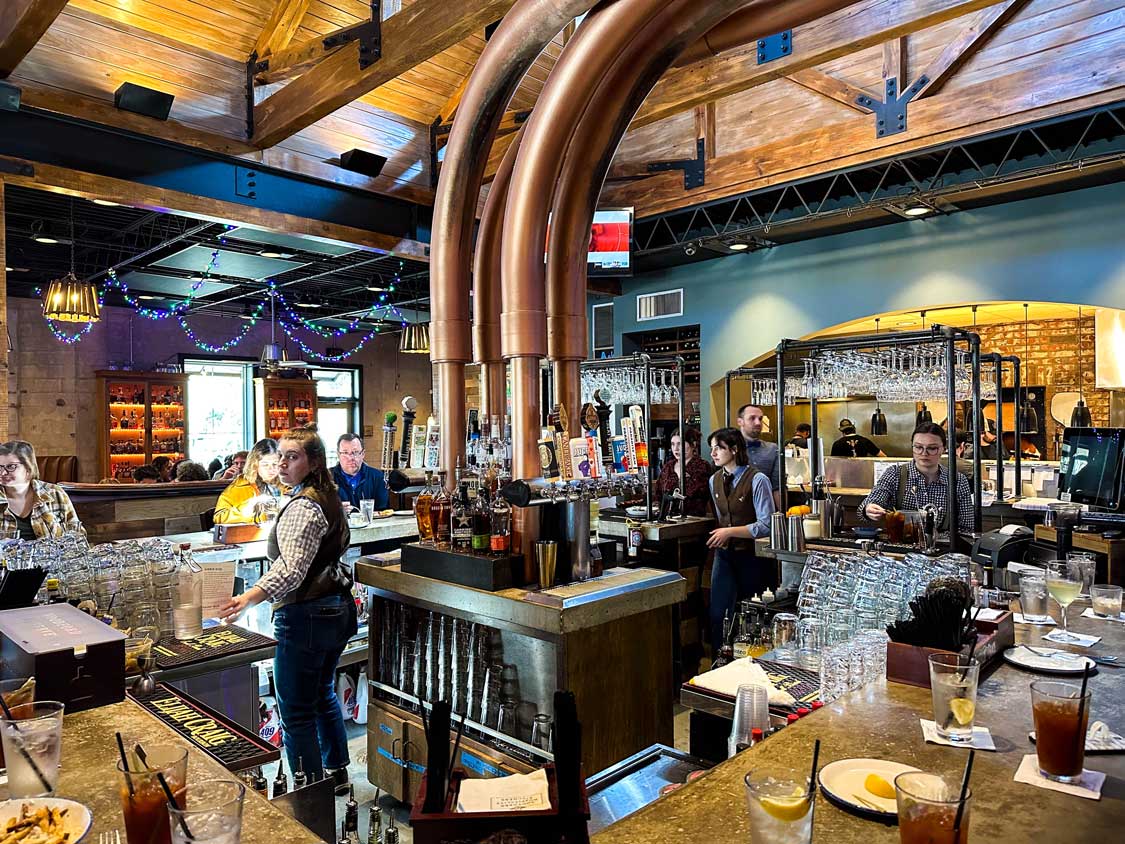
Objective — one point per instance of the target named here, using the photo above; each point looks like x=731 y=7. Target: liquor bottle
x=271 y=404
x=441 y=509
x=500 y=541
x=423 y=512
x=726 y=648
x=124 y=423
x=461 y=520
x=482 y=523
x=745 y=639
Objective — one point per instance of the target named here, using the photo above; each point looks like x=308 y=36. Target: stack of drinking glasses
x=853 y=663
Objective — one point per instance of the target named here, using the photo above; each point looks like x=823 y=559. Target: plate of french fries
x=43 y=820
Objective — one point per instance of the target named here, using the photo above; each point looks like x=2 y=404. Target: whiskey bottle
x=423 y=512
x=461 y=521
x=500 y=540
x=440 y=514
x=482 y=523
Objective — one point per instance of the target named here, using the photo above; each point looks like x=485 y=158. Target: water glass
x=211 y=813
x=1106 y=600
x=782 y=803
x=953 y=687
x=1033 y=597
x=784 y=631
x=930 y=808
x=367 y=508
x=16 y=691
x=541 y=731
x=32 y=740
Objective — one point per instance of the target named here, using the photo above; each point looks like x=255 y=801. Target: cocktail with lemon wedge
x=953 y=682
x=781 y=806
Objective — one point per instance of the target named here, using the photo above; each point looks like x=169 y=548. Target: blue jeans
x=311 y=635
x=735 y=576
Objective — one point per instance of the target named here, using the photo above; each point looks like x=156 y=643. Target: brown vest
x=737 y=509
x=326 y=575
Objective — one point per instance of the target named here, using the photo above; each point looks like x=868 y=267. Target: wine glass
x=1064 y=582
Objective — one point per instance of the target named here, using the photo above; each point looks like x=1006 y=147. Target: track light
x=739 y=247
x=690 y=249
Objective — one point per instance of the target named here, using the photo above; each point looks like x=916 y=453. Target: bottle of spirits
x=441 y=509
x=482 y=523
x=461 y=520
x=745 y=640
x=500 y=541
x=124 y=423
x=423 y=514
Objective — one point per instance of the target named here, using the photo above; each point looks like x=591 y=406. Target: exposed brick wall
x=1053 y=360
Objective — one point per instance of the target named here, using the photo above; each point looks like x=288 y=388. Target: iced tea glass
x=211 y=813
x=1060 y=737
x=781 y=803
x=145 y=805
x=32 y=740
x=928 y=806
x=953 y=685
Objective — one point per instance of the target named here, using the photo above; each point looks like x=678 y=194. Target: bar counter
x=881 y=721
x=89 y=775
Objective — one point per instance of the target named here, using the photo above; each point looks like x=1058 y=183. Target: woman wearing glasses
x=32 y=509
x=255 y=491
x=922 y=482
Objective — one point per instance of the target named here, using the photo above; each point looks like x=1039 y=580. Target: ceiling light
x=146 y=297
x=106 y=203
x=70 y=300
x=270 y=253
x=415 y=339
x=307 y=305
x=740 y=247
x=374 y=288
x=918 y=210
x=42 y=238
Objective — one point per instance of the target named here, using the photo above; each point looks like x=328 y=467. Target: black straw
x=1082 y=707
x=964 y=791
x=815 y=758
x=23 y=750
x=172 y=804
x=973 y=646
x=125 y=765
x=453 y=759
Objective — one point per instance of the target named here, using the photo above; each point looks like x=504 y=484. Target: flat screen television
x=611 y=237
x=1090 y=468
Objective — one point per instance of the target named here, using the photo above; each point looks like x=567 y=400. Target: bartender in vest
x=923 y=481
x=743 y=503
x=763 y=455
x=314 y=612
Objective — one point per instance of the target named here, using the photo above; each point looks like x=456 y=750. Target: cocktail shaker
x=796 y=538
x=777 y=532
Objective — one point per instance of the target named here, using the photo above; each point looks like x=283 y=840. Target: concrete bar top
x=89 y=775
x=616 y=594
x=392 y=527
x=881 y=721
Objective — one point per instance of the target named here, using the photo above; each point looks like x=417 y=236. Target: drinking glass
x=32 y=741
x=1060 y=735
x=928 y=807
x=211 y=813
x=1087 y=565
x=810 y=642
x=782 y=803
x=751 y=712
x=507 y=723
x=953 y=686
x=1106 y=600
x=15 y=692
x=541 y=734
x=143 y=802
x=784 y=631
x=367 y=508
x=1033 y=598
x=1064 y=582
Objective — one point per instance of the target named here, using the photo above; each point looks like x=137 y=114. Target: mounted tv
x=611 y=238
x=1090 y=468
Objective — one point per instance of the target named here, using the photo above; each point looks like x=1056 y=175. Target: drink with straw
x=1062 y=713
x=32 y=739
x=210 y=814
x=781 y=803
x=932 y=809
x=1064 y=582
x=953 y=686
x=144 y=803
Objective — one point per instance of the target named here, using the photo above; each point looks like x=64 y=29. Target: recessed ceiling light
x=740 y=247
x=374 y=288
x=307 y=305
x=146 y=297
x=270 y=253
x=918 y=211
x=106 y=202
x=42 y=238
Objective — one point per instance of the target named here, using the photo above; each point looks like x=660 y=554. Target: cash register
x=995 y=549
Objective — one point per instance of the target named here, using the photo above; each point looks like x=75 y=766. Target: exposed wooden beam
x=22 y=24
x=281 y=26
x=894 y=62
x=706 y=127
x=449 y=110
x=290 y=62
x=968 y=41
x=417 y=33
x=829 y=86
x=496 y=155
x=1036 y=93
x=852 y=29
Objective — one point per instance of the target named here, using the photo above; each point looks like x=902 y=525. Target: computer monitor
x=1090 y=471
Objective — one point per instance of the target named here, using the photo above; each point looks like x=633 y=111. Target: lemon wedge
x=963 y=710
x=879 y=787
x=787 y=809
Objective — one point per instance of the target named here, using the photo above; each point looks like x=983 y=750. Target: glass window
x=216 y=409
x=337 y=393
x=333 y=421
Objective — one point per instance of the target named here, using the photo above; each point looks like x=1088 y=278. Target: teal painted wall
x=1064 y=248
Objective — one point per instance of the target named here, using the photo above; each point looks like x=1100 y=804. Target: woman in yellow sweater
x=243 y=501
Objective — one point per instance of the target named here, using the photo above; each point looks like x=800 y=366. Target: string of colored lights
x=62 y=337
x=333 y=333
x=310 y=352
x=160 y=313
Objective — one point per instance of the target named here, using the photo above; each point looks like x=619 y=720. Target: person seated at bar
x=233 y=469
x=743 y=502
x=146 y=474
x=852 y=444
x=355 y=480
x=189 y=470
x=251 y=493
x=697 y=496
x=31 y=508
x=163 y=466
x=922 y=482
x=801 y=438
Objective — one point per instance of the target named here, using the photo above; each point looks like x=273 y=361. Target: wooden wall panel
x=770 y=112
x=668 y=139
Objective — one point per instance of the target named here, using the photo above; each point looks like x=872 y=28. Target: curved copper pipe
x=525 y=449
x=486 y=287
x=521 y=36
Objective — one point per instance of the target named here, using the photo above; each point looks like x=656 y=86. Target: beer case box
x=74 y=658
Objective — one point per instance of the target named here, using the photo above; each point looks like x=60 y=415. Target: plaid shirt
x=921 y=492
x=300 y=528
x=51 y=516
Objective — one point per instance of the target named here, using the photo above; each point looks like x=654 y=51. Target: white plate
x=1071 y=664
x=636 y=511
x=76 y=823
x=843 y=779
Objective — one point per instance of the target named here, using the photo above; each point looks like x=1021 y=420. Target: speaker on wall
x=359 y=161
x=141 y=100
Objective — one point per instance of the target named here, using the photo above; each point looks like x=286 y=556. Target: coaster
x=982 y=738
x=1020 y=618
x=1090 y=786
x=1079 y=640
x=1089 y=613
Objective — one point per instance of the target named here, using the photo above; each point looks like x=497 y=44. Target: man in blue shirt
x=762 y=453
x=355 y=480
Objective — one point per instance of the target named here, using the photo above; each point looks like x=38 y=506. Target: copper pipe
x=751 y=24
x=525 y=453
x=486 y=288
x=527 y=28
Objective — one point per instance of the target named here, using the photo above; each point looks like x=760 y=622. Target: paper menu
x=218 y=586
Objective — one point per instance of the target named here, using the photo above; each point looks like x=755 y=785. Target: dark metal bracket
x=246 y=182
x=775 y=46
x=890 y=115
x=695 y=169
x=369 y=34
x=251 y=69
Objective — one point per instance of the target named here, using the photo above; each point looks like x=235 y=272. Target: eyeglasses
x=926 y=449
x=10 y=468
x=351 y=453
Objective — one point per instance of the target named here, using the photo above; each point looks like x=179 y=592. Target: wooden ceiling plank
x=968 y=41
x=449 y=109
x=295 y=59
x=280 y=27
x=863 y=25
x=829 y=86
x=414 y=35
x=22 y=24
x=172 y=25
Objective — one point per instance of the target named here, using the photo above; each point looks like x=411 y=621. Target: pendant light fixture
x=68 y=299
x=1080 y=416
x=1029 y=418
x=415 y=339
x=878 y=419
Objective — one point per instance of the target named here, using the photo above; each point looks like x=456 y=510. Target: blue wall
x=1064 y=248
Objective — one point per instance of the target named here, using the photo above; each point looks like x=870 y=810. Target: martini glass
x=1064 y=582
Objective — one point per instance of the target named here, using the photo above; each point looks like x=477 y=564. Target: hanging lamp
x=415 y=339
x=878 y=419
x=69 y=300
x=1029 y=418
x=1080 y=416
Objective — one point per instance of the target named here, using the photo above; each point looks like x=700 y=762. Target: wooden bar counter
x=881 y=721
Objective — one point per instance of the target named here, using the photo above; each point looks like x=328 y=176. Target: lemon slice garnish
x=963 y=710
x=879 y=787
x=787 y=809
